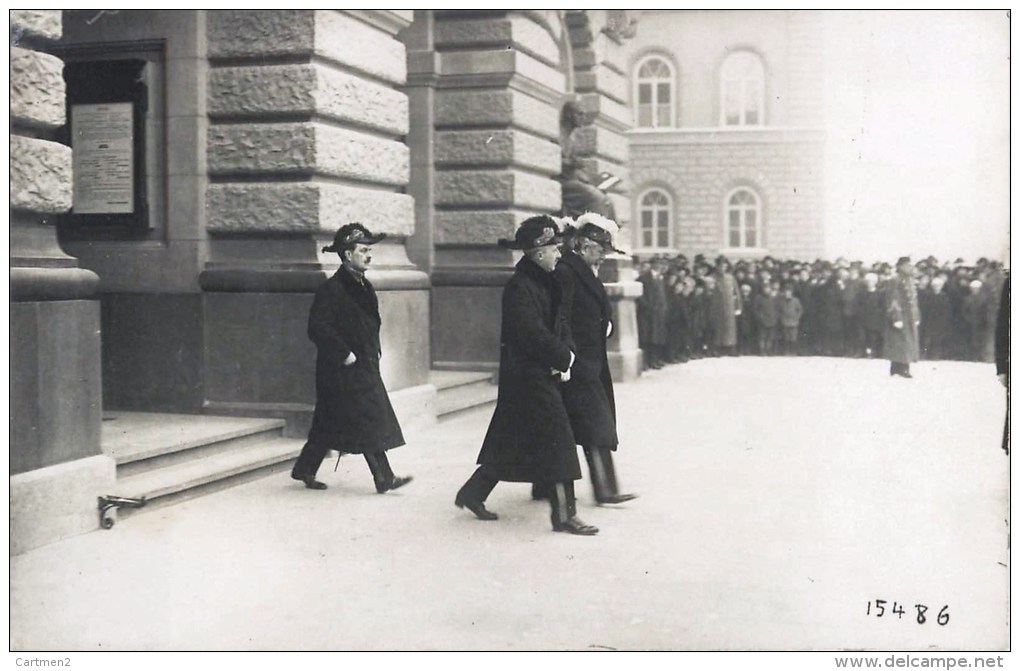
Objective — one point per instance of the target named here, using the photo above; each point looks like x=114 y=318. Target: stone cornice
x=499 y=69
x=307 y=280
x=422 y=68
x=383 y=19
x=53 y=284
x=761 y=135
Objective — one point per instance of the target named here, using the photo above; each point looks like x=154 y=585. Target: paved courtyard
x=779 y=499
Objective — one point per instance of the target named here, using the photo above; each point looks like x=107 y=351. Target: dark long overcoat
x=871 y=308
x=900 y=344
x=588 y=395
x=352 y=409
x=653 y=309
x=936 y=316
x=833 y=301
x=529 y=438
x=725 y=303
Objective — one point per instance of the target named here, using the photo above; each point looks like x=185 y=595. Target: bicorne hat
x=537 y=231
x=352 y=234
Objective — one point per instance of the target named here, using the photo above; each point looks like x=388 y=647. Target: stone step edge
x=180 y=477
x=461 y=401
x=258 y=426
x=454 y=379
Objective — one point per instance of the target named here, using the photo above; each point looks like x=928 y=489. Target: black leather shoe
x=395 y=483
x=309 y=480
x=477 y=507
x=575 y=526
x=617 y=498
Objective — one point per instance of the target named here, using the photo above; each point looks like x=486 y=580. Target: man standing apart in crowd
x=588 y=395
x=902 y=319
x=529 y=438
x=352 y=409
x=654 y=309
x=726 y=307
x=1002 y=353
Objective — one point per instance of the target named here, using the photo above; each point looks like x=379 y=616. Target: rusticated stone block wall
x=603 y=89
x=40 y=168
x=56 y=464
x=500 y=79
x=305 y=147
x=308 y=127
x=500 y=86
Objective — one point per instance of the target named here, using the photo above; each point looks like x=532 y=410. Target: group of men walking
x=555 y=388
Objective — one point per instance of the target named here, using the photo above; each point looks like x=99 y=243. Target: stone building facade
x=253 y=136
x=727 y=147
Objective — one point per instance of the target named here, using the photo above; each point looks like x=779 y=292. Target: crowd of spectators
x=701 y=308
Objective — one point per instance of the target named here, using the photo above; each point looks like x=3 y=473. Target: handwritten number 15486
x=881 y=607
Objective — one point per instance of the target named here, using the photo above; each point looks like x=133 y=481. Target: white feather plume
x=597 y=219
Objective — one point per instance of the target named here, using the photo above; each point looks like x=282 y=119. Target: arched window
x=743 y=219
x=743 y=90
x=654 y=210
x=654 y=102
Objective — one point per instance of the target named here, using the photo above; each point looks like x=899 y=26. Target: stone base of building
x=153 y=352
x=625 y=366
x=55 y=403
x=57 y=502
x=466 y=320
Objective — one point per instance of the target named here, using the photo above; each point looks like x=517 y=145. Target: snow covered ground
x=780 y=499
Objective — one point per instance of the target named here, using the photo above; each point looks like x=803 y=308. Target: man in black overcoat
x=529 y=438
x=352 y=409
x=588 y=395
x=1002 y=353
x=899 y=342
x=834 y=297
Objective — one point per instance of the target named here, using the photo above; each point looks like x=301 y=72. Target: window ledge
x=655 y=251
x=744 y=251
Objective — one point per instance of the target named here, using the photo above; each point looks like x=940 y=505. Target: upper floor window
x=653 y=94
x=743 y=219
x=654 y=209
x=743 y=90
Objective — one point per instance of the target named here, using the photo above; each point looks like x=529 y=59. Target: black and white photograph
x=521 y=330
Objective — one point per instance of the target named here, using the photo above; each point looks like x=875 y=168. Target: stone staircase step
x=143 y=442
x=204 y=475
x=461 y=390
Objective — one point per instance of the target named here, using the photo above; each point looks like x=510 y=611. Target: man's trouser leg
x=562 y=502
x=379 y=464
x=478 y=487
x=310 y=459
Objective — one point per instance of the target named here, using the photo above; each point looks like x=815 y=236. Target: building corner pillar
x=57 y=468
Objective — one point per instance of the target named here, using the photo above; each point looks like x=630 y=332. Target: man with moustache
x=529 y=437
x=588 y=395
x=352 y=409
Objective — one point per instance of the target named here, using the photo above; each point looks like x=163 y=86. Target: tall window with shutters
x=742 y=90
x=654 y=99
x=743 y=219
x=655 y=208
